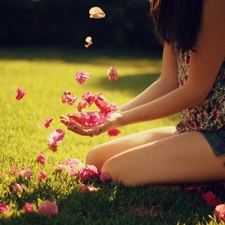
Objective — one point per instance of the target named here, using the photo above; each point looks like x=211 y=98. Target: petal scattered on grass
x=211 y=199
x=27 y=173
x=28 y=208
x=87 y=172
x=4 y=208
x=219 y=212
x=84 y=188
x=42 y=176
x=41 y=158
x=14 y=170
x=96 y=13
x=48 y=209
x=16 y=187
x=104 y=176
x=20 y=93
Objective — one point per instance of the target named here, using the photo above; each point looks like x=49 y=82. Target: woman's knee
x=95 y=157
x=117 y=173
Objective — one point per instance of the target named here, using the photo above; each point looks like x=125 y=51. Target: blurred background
x=66 y=23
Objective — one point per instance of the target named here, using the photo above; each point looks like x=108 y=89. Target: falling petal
x=20 y=93
x=96 y=13
x=89 y=41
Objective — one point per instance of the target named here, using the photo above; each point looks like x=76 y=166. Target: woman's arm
x=203 y=69
x=165 y=84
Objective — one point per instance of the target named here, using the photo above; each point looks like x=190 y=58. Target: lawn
x=44 y=74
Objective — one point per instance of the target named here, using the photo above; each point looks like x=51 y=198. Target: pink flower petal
x=113 y=132
x=4 y=208
x=16 y=187
x=42 y=176
x=47 y=122
x=55 y=137
x=210 y=199
x=41 y=158
x=68 y=98
x=88 y=171
x=87 y=100
x=15 y=170
x=81 y=76
x=48 y=208
x=104 y=176
x=27 y=173
x=112 y=73
x=28 y=208
x=219 y=212
x=194 y=188
x=20 y=93
x=84 y=188
x=85 y=119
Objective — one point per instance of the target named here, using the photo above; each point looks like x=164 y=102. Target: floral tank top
x=210 y=114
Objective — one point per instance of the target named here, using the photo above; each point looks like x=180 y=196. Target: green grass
x=45 y=74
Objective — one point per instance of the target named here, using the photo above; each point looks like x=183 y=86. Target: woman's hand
x=76 y=123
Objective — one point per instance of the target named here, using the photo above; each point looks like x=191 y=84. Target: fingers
x=80 y=129
x=85 y=132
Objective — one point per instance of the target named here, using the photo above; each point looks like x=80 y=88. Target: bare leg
x=100 y=154
x=179 y=158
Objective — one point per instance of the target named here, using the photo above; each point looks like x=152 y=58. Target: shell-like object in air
x=89 y=41
x=96 y=13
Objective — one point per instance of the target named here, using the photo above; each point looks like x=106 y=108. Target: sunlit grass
x=45 y=74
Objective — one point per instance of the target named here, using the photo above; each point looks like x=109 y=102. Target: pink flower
x=41 y=158
x=47 y=122
x=68 y=98
x=28 y=208
x=81 y=105
x=72 y=170
x=72 y=166
x=81 y=76
x=55 y=137
x=90 y=188
x=16 y=187
x=219 y=212
x=15 y=171
x=42 y=176
x=26 y=173
x=85 y=119
x=53 y=146
x=20 y=93
x=4 y=208
x=104 y=176
x=194 y=188
x=59 y=168
x=104 y=106
x=112 y=74
x=88 y=171
x=48 y=208
x=87 y=100
x=210 y=199
x=113 y=132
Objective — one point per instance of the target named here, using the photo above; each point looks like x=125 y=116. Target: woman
x=192 y=82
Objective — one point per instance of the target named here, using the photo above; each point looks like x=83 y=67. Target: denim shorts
x=216 y=139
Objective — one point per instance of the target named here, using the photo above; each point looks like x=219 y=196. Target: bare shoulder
x=213 y=20
x=214 y=8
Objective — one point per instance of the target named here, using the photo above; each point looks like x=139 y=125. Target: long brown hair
x=177 y=21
